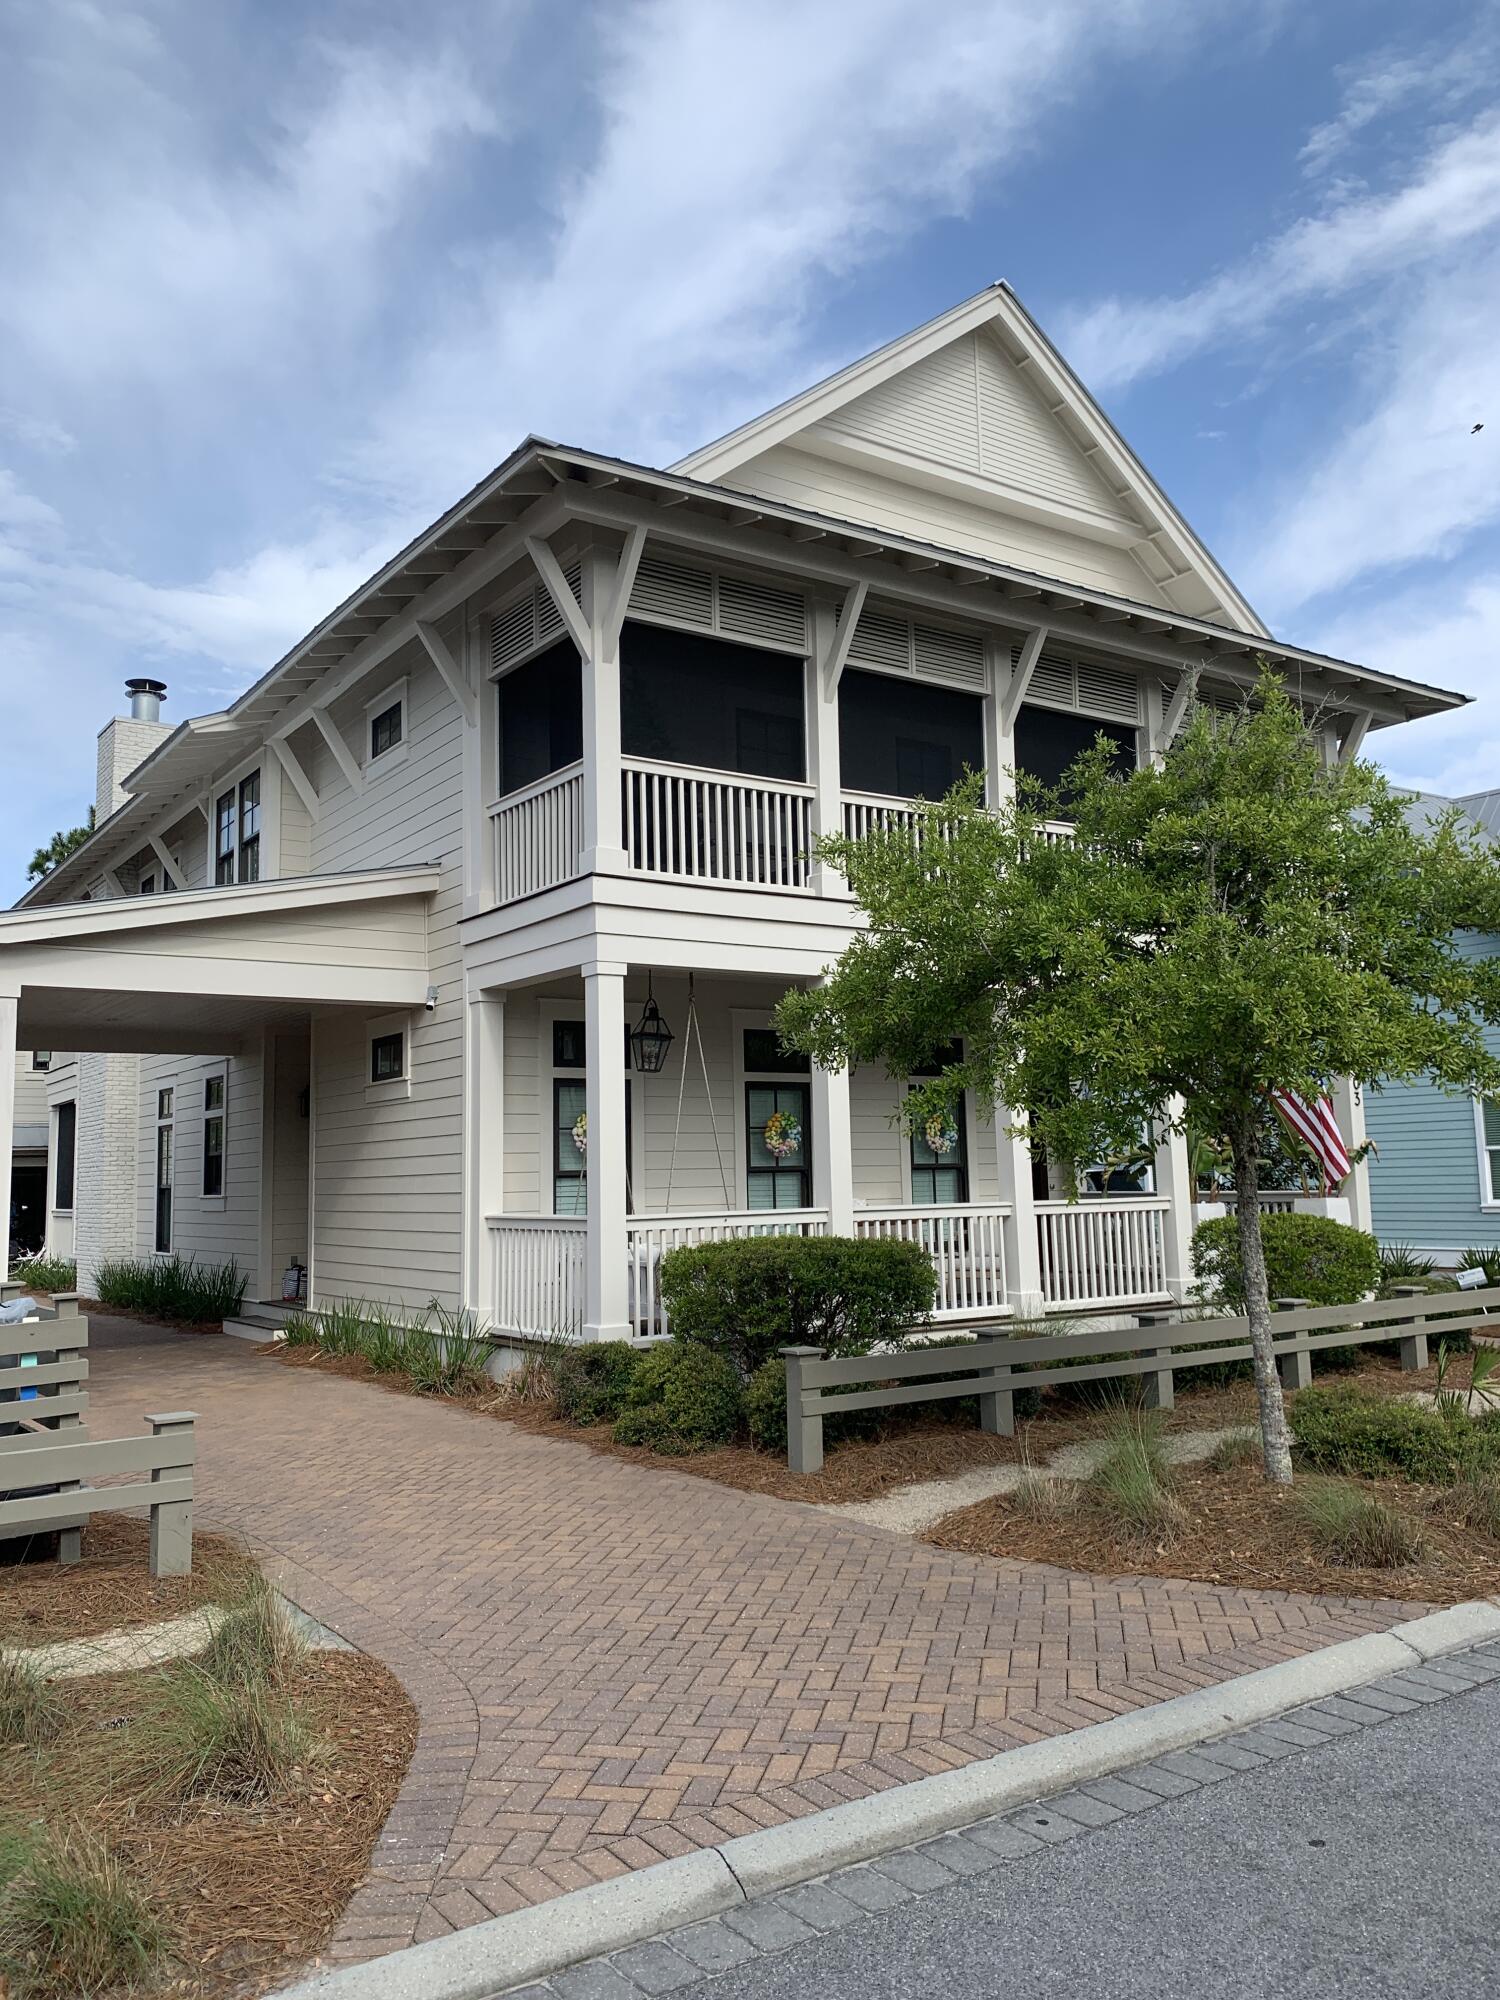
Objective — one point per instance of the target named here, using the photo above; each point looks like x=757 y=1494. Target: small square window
x=764 y=1055
x=568 y=1045
x=213 y=1093
x=385 y=729
x=164 y=1104
x=387 y=1058
x=41 y=1059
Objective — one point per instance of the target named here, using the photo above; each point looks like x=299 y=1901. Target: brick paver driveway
x=615 y=1664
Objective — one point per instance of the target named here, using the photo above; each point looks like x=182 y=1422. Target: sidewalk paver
x=615 y=1664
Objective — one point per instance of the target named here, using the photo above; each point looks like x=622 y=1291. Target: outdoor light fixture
x=652 y=1037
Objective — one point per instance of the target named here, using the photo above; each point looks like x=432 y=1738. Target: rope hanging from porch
x=692 y=1037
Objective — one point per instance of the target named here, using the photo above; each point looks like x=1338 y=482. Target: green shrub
x=47 y=1274
x=1131 y=1484
x=1354 y=1527
x=1307 y=1257
x=590 y=1381
x=300 y=1330
x=1401 y=1264
x=1482 y=1258
x=341 y=1325
x=178 y=1288
x=1340 y=1430
x=747 y=1299
x=682 y=1397
x=765 y=1406
x=765 y=1411
x=73 y=1921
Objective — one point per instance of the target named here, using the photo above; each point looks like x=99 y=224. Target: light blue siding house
x=1436 y=1182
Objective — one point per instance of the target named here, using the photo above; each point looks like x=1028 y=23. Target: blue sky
x=282 y=280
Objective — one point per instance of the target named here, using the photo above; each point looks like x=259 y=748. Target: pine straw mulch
x=1239 y=1532
x=112 y=1588
x=918 y=1445
x=246 y=1892
x=89 y=1306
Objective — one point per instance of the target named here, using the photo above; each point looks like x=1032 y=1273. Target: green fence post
x=804 y=1413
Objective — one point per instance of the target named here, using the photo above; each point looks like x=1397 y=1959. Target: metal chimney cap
x=143 y=685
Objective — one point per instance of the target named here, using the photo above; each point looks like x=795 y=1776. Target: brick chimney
x=127 y=740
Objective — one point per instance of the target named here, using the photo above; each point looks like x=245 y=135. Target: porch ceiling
x=200 y=970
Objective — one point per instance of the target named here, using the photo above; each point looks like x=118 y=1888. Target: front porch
x=602 y=1167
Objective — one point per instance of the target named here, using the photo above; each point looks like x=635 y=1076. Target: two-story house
x=369 y=970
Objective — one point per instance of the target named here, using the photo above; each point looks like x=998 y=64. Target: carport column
x=606 y=1277
x=833 y=1150
x=9 y=1006
x=1023 y=1258
x=1349 y=1109
x=1174 y=1180
x=484 y=1140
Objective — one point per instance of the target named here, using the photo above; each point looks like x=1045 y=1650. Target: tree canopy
x=58 y=849
x=1246 y=915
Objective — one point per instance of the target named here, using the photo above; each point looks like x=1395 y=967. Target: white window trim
x=270 y=848
x=214 y=1201
x=393 y=695
x=390 y=1088
x=1489 y=1201
x=549 y=1013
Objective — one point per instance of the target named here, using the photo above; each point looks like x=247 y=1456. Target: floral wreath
x=782 y=1134
x=581 y=1132
x=941 y=1133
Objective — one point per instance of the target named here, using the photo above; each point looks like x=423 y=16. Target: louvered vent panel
x=1102 y=691
x=956 y=656
x=673 y=591
x=1052 y=682
x=513 y=632
x=882 y=641
x=751 y=611
x=549 y=624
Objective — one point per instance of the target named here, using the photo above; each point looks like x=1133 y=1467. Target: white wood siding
x=209 y=1228
x=289 y=1157
x=31 y=1093
x=802 y=478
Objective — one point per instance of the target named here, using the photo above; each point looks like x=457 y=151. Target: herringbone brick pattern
x=614 y=1664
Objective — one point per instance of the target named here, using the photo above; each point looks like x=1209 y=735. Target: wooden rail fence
x=994 y=1368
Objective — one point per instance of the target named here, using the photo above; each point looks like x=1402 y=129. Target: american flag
x=1318 y=1129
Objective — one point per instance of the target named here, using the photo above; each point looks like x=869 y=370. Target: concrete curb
x=489 y=1958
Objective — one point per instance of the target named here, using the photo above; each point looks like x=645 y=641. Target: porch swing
x=692 y=1038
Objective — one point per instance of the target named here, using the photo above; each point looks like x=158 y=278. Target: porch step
x=258 y=1321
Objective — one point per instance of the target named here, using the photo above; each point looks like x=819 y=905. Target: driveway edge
x=490 y=1958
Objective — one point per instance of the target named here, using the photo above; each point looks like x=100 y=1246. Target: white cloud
x=1408 y=480
x=1445 y=74
x=37 y=433
x=1452 y=198
x=22 y=514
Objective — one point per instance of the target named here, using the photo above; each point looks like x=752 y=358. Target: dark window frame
x=380 y=1047
x=215 y=1129
x=64 y=1173
x=384 y=735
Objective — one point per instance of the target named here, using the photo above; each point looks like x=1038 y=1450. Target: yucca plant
x=1479 y=1258
x=1400 y=1261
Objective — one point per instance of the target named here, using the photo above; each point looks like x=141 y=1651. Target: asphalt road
x=1364 y=1868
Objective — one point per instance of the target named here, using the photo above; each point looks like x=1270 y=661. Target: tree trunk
x=1275 y=1439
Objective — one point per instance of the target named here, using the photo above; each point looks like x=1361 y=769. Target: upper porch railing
x=876 y=812
x=538 y=835
x=715 y=826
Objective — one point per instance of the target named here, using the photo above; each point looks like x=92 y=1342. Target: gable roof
x=978 y=403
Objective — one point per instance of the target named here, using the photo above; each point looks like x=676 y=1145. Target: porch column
x=606 y=1281
x=1174 y=1180
x=999 y=726
x=823 y=746
x=9 y=1007
x=484 y=1139
x=1023 y=1261
x=833 y=1149
x=1349 y=1109
x=602 y=838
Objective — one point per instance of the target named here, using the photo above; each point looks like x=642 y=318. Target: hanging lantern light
x=651 y=1037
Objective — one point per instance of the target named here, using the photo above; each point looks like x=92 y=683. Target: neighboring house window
x=387 y=1058
x=778 y=1124
x=237 y=832
x=67 y=1136
x=41 y=1059
x=163 y=1237
x=387 y=727
x=1489 y=1147
x=213 y=1135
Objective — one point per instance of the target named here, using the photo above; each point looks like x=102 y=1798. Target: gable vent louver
x=1059 y=682
x=682 y=595
x=531 y=622
x=933 y=652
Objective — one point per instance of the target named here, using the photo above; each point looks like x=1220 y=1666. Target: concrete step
x=258 y=1321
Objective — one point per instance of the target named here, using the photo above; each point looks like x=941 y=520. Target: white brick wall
x=108 y=1162
x=123 y=743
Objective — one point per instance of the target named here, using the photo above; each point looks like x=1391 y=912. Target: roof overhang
x=200 y=970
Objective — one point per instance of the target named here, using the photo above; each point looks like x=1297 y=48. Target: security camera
x=431 y=1001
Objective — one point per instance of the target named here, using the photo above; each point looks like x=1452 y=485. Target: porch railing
x=1102 y=1253
x=874 y=812
x=536 y=1273
x=538 y=835
x=711 y=826
x=648 y=1238
x=966 y=1245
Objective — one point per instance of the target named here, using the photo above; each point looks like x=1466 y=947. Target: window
x=146 y=886
x=778 y=1159
x=67 y=1135
x=540 y=716
x=387 y=1058
x=41 y=1059
x=906 y=739
x=237 y=832
x=163 y=1235
x=765 y=1056
x=1488 y=1117
x=940 y=1158
x=387 y=729
x=689 y=698
x=570 y=1190
x=213 y=1135
x=1048 y=741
